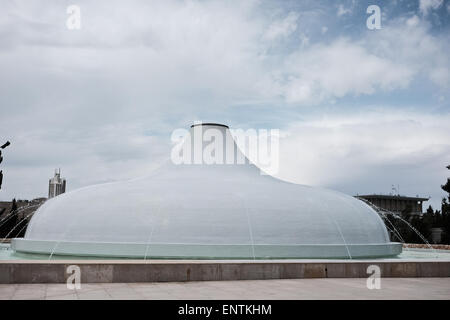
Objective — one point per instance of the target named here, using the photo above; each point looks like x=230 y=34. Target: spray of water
x=16 y=212
x=14 y=228
x=249 y=225
x=384 y=213
x=149 y=240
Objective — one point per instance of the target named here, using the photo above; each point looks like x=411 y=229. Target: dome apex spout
x=209 y=124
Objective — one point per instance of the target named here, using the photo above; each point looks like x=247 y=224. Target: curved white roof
x=199 y=210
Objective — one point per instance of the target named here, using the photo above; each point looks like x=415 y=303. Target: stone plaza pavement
x=349 y=288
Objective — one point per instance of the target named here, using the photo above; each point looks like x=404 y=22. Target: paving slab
x=323 y=288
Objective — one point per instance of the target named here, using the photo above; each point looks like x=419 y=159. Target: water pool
x=6 y=253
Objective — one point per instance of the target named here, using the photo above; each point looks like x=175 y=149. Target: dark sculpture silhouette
x=7 y=143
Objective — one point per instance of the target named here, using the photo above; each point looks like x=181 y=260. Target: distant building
x=396 y=203
x=56 y=185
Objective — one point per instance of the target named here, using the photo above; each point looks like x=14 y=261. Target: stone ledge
x=426 y=246
x=111 y=272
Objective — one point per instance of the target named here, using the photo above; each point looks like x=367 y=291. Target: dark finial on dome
x=209 y=124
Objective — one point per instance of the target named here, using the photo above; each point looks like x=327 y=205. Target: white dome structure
x=207 y=211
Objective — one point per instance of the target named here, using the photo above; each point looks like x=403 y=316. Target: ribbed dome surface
x=207 y=211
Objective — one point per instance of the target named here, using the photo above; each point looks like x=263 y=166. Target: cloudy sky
x=359 y=110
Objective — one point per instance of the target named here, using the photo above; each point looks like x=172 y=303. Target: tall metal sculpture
x=7 y=143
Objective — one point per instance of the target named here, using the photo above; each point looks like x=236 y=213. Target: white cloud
x=343 y=11
x=412 y=45
x=282 y=28
x=145 y=54
x=216 y=49
x=440 y=76
x=369 y=151
x=426 y=6
x=338 y=69
x=413 y=21
x=109 y=153
x=386 y=60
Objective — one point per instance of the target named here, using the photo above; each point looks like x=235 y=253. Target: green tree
x=445 y=212
x=446 y=187
x=13 y=206
x=10 y=221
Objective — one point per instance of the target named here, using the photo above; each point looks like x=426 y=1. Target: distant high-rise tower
x=56 y=185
